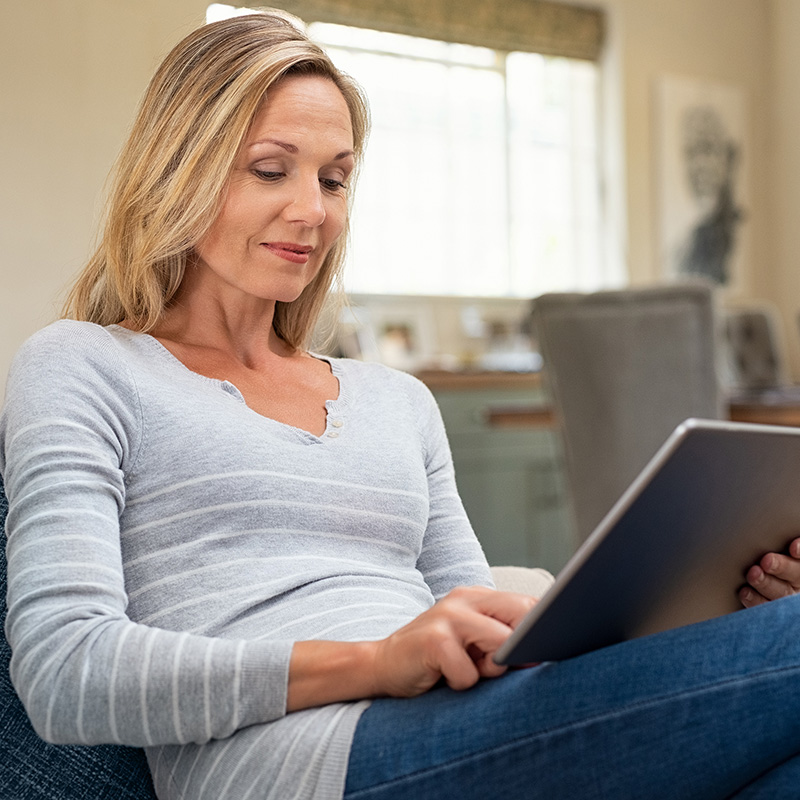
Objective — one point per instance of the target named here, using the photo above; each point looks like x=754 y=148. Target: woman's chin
x=288 y=296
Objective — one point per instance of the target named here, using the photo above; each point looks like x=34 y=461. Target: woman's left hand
x=776 y=575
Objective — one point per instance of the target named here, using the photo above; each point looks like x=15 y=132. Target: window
x=482 y=172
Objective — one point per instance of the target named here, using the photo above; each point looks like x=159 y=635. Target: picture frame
x=400 y=335
x=702 y=180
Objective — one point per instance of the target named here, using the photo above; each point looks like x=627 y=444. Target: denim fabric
x=31 y=769
x=707 y=711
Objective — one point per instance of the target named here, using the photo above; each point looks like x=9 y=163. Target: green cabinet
x=509 y=474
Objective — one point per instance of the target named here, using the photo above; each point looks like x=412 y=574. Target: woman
x=222 y=547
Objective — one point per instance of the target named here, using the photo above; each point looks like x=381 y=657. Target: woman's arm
x=451 y=554
x=454 y=640
x=84 y=670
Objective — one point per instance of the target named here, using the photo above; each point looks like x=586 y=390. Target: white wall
x=73 y=71
x=723 y=41
x=782 y=260
x=72 y=74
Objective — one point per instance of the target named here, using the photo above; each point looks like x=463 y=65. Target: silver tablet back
x=675 y=548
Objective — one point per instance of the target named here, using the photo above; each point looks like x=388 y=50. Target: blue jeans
x=707 y=711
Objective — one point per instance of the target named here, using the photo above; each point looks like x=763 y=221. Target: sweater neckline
x=336 y=408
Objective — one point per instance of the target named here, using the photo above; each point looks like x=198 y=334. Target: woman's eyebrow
x=291 y=148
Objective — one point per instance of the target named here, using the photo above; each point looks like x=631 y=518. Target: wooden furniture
x=533 y=411
x=537 y=412
x=766 y=413
x=508 y=465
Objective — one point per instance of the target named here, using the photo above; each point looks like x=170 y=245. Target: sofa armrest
x=525 y=580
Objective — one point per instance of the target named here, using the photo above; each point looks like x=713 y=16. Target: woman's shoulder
x=378 y=374
x=388 y=388
x=69 y=348
x=71 y=373
x=69 y=333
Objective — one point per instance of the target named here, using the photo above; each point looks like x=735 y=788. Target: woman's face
x=286 y=200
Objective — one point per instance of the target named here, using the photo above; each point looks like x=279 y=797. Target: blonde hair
x=171 y=175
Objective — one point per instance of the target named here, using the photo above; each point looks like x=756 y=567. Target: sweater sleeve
x=451 y=554
x=86 y=673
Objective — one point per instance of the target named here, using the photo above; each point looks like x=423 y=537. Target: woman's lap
x=697 y=712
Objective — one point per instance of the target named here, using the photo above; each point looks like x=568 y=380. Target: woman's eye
x=268 y=175
x=332 y=185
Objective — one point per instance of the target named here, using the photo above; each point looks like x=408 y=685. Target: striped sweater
x=167 y=545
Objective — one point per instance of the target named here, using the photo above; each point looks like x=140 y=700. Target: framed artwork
x=399 y=335
x=701 y=148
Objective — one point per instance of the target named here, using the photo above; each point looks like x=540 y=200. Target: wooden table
x=542 y=415
x=526 y=415
x=766 y=413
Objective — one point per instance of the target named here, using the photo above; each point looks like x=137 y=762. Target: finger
x=457 y=668
x=509 y=608
x=785 y=568
x=480 y=620
x=768 y=586
x=750 y=598
x=794 y=549
x=482 y=616
x=485 y=663
x=488 y=668
x=480 y=633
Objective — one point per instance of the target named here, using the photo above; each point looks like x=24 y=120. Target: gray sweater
x=167 y=545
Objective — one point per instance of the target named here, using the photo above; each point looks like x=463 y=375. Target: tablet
x=676 y=546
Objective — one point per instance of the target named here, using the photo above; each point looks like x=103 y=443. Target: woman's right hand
x=453 y=640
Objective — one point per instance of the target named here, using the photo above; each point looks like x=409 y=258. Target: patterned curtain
x=537 y=26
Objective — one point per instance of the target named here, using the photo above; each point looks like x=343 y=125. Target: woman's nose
x=307 y=205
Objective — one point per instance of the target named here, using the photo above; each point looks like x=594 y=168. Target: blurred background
x=520 y=148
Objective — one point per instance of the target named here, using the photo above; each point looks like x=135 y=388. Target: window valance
x=538 y=26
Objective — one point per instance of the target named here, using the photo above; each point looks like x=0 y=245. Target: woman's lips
x=296 y=253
